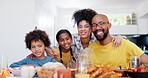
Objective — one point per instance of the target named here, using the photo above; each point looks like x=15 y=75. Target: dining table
x=20 y=77
x=37 y=77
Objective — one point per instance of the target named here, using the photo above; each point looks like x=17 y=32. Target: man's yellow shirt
x=107 y=55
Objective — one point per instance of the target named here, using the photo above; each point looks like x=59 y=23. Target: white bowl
x=16 y=72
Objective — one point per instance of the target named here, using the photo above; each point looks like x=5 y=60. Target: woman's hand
x=31 y=56
x=50 y=52
x=117 y=41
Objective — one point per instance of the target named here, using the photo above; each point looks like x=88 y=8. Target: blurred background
x=18 y=17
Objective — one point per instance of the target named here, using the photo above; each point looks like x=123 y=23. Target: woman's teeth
x=83 y=33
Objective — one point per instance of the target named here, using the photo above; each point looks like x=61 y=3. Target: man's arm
x=144 y=59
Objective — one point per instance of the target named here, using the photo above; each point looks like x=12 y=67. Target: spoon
x=120 y=67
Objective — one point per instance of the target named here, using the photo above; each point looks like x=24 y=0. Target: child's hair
x=61 y=32
x=37 y=35
x=84 y=14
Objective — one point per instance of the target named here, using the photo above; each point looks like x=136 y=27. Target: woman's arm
x=118 y=41
x=31 y=56
x=50 y=52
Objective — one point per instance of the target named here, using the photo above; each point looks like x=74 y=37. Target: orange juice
x=82 y=75
x=73 y=71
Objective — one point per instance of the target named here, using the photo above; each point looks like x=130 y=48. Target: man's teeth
x=99 y=33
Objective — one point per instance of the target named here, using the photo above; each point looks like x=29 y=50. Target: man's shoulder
x=126 y=41
x=128 y=44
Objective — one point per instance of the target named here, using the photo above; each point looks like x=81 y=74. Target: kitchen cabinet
x=143 y=28
x=142 y=22
x=124 y=29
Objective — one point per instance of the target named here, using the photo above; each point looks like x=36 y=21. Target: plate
x=122 y=71
x=138 y=74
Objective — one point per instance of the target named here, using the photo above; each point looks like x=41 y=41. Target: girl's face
x=84 y=29
x=65 y=41
x=37 y=48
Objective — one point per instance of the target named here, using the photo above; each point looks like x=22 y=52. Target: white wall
x=17 y=17
x=62 y=21
x=142 y=13
x=45 y=15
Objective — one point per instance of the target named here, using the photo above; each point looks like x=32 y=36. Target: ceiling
x=97 y=3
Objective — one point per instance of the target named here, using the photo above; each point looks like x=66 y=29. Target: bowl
x=122 y=71
x=138 y=74
x=16 y=73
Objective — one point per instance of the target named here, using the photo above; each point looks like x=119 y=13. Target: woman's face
x=65 y=41
x=84 y=29
x=37 y=48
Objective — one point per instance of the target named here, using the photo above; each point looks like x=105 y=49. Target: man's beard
x=104 y=36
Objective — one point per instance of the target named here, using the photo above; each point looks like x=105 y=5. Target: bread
x=49 y=70
x=102 y=71
x=29 y=65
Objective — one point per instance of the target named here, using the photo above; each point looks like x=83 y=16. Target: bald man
x=104 y=54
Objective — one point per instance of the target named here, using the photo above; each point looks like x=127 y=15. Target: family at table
x=93 y=32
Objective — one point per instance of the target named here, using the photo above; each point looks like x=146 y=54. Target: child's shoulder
x=28 y=58
x=49 y=57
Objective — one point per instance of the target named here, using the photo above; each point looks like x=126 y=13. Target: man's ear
x=92 y=30
x=109 y=25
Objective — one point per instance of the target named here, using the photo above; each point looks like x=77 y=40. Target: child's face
x=37 y=48
x=65 y=41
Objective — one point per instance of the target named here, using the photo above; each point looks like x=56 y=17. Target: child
x=36 y=41
x=64 y=51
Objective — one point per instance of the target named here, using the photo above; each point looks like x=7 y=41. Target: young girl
x=64 y=51
x=36 y=41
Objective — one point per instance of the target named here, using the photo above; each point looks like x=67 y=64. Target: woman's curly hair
x=83 y=14
x=37 y=35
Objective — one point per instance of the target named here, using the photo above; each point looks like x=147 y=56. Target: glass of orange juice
x=82 y=75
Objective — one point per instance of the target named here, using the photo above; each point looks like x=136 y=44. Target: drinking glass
x=134 y=61
x=82 y=76
x=84 y=60
x=3 y=61
x=64 y=73
x=72 y=66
